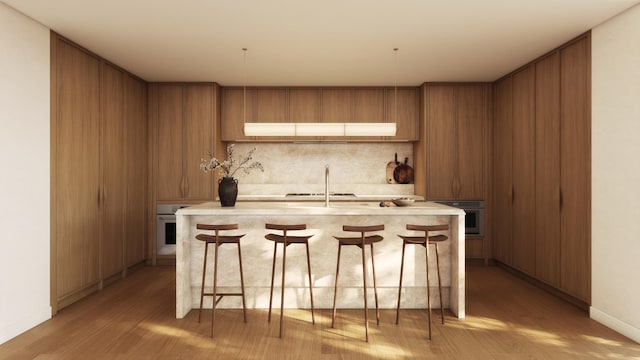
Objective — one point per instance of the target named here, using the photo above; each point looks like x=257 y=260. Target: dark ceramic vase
x=228 y=191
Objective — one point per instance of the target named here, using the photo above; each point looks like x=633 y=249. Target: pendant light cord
x=244 y=85
x=395 y=85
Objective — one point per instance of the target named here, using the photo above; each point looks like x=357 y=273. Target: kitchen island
x=323 y=222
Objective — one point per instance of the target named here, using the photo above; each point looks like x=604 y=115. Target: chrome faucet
x=326 y=185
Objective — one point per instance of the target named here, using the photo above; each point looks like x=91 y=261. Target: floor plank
x=135 y=319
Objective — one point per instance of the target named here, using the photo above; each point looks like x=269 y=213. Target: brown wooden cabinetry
x=304 y=106
x=183 y=116
x=322 y=104
x=547 y=173
x=523 y=148
x=407 y=114
x=235 y=110
x=98 y=139
x=113 y=193
x=136 y=160
x=575 y=165
x=76 y=193
x=503 y=172
x=457 y=117
x=542 y=170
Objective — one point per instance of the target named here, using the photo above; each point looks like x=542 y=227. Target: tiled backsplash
x=353 y=167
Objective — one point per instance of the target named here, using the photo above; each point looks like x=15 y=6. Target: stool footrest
x=223 y=294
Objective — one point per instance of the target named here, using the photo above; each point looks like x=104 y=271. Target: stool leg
x=375 y=288
x=244 y=307
x=313 y=317
x=439 y=283
x=400 y=286
x=215 y=288
x=335 y=291
x=204 y=271
x=273 y=272
x=284 y=261
x=426 y=246
x=364 y=282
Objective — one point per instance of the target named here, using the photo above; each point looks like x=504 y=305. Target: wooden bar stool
x=362 y=241
x=219 y=240
x=286 y=240
x=425 y=241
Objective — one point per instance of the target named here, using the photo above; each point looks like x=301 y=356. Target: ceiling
x=321 y=43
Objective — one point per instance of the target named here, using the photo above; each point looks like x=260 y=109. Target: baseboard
x=616 y=324
x=581 y=304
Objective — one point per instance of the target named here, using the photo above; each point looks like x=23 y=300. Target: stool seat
x=424 y=241
x=358 y=241
x=285 y=239
x=290 y=239
x=419 y=240
x=361 y=241
x=218 y=240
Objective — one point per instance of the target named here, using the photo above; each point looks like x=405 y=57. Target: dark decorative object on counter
x=228 y=191
x=228 y=185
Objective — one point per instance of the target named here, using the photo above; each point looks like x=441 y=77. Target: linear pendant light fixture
x=315 y=128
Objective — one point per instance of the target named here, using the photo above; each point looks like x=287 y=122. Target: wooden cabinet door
x=336 y=105
x=169 y=175
x=368 y=106
x=503 y=172
x=198 y=140
x=136 y=169
x=575 y=168
x=547 y=174
x=304 y=106
x=442 y=142
x=524 y=246
x=270 y=105
x=406 y=116
x=235 y=110
x=77 y=171
x=113 y=170
x=471 y=110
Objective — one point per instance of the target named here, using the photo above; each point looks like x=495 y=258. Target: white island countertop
x=319 y=208
x=323 y=223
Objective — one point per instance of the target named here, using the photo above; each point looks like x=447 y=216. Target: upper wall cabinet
x=183 y=119
x=325 y=104
x=457 y=118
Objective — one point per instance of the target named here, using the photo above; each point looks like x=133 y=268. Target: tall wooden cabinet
x=113 y=171
x=183 y=118
x=575 y=168
x=136 y=160
x=457 y=116
x=542 y=165
x=75 y=174
x=91 y=118
x=502 y=189
x=523 y=167
x=547 y=173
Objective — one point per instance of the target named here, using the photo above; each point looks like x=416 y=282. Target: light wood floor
x=135 y=319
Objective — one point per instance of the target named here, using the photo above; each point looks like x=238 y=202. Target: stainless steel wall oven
x=474 y=218
x=166 y=228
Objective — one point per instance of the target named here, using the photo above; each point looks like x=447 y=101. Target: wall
x=299 y=167
x=616 y=173
x=24 y=184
